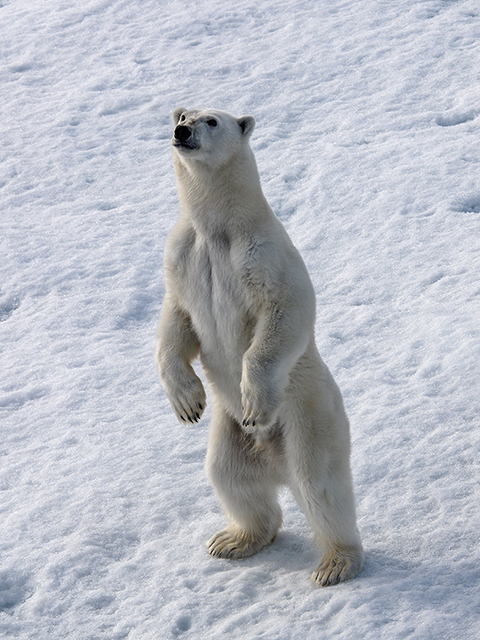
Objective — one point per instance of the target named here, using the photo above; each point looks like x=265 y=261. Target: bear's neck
x=227 y=200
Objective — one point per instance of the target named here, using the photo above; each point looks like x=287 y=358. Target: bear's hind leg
x=331 y=514
x=246 y=488
x=322 y=484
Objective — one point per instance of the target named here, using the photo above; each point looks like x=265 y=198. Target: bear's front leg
x=177 y=346
x=281 y=337
x=262 y=395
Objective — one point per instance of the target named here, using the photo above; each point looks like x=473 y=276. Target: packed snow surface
x=368 y=146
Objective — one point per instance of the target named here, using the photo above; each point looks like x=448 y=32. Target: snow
x=368 y=122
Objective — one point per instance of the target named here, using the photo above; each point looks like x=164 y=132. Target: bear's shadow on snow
x=290 y=551
x=378 y=563
x=291 y=548
x=293 y=556
x=293 y=551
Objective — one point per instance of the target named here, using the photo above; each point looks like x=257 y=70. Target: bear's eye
x=182 y=118
x=212 y=122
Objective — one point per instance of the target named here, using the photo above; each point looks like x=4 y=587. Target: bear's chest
x=213 y=288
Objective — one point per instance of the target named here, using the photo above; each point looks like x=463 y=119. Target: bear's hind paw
x=234 y=543
x=338 y=566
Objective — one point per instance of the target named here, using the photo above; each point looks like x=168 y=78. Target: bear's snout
x=182 y=133
x=184 y=138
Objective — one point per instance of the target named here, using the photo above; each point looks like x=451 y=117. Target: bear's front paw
x=187 y=398
x=259 y=406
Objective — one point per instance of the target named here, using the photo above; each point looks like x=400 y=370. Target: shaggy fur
x=238 y=296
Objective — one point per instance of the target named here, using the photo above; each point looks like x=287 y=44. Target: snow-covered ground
x=367 y=141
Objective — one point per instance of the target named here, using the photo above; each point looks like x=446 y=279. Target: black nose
x=182 y=133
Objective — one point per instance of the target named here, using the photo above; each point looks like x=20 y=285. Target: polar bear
x=238 y=296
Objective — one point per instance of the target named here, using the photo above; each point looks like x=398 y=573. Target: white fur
x=239 y=297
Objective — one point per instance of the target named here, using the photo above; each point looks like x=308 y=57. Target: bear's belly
x=215 y=297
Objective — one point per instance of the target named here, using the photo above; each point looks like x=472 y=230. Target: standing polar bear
x=238 y=296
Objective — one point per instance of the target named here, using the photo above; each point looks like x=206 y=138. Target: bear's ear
x=177 y=113
x=247 y=124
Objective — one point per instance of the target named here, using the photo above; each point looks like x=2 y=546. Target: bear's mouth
x=188 y=146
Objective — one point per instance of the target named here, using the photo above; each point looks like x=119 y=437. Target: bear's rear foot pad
x=234 y=543
x=338 y=565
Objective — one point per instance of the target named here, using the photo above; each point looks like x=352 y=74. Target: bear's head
x=209 y=136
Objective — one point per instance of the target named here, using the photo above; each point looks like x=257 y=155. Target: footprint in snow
x=456 y=117
x=15 y=588
x=470 y=205
x=182 y=624
x=7 y=307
